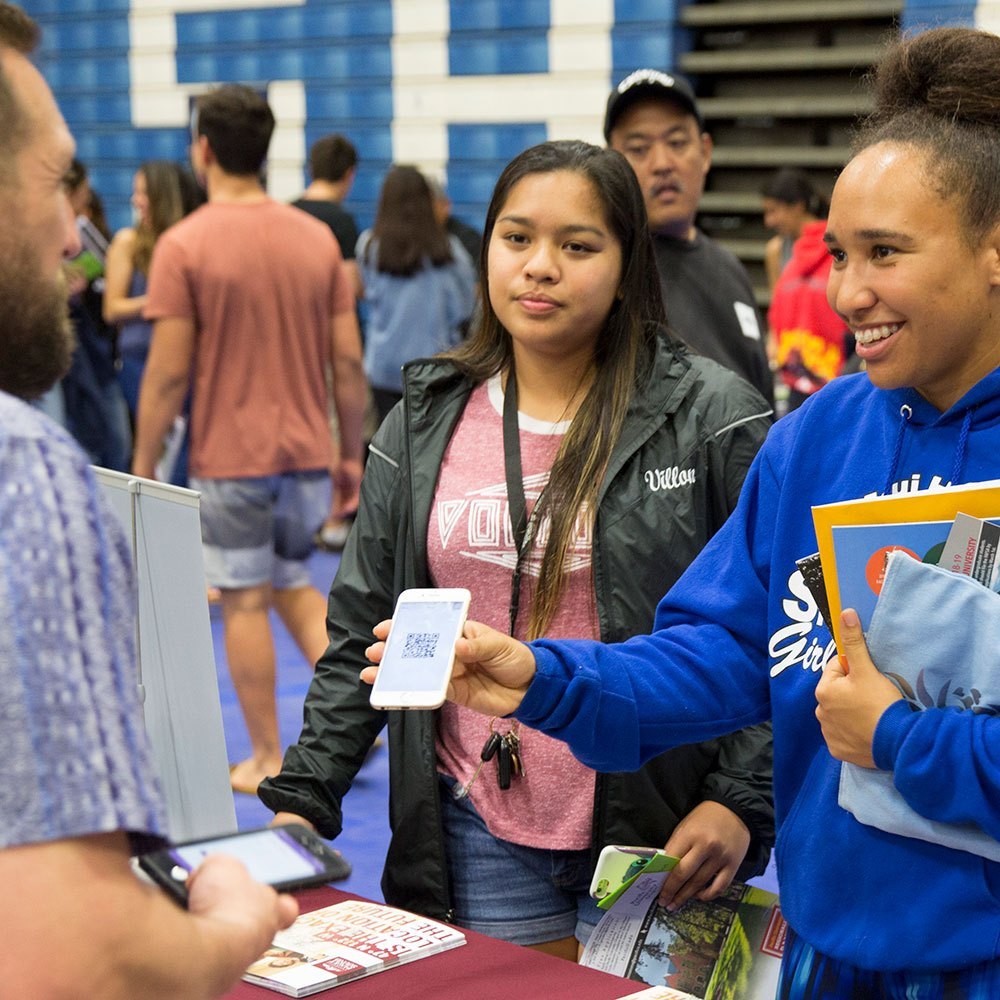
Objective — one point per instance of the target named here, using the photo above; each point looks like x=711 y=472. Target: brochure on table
x=346 y=941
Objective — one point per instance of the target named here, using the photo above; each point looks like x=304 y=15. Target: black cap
x=646 y=83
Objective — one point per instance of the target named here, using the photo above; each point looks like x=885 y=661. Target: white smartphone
x=420 y=651
x=616 y=865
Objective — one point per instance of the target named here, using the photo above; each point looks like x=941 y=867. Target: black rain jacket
x=692 y=414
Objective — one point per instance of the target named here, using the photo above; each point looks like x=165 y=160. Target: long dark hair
x=169 y=188
x=405 y=234
x=940 y=91
x=623 y=353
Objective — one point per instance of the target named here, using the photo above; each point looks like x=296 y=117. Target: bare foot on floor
x=245 y=776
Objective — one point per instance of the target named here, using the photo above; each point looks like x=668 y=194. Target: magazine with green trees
x=726 y=949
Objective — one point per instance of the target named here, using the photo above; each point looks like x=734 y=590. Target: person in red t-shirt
x=252 y=305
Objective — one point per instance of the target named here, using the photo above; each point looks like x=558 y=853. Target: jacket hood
x=809 y=253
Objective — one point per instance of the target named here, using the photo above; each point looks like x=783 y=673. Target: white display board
x=176 y=669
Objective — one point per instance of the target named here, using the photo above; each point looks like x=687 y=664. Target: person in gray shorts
x=252 y=307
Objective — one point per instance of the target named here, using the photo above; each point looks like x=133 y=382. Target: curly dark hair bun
x=953 y=73
x=939 y=91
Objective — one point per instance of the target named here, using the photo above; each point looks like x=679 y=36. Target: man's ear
x=204 y=150
x=706 y=151
x=992 y=248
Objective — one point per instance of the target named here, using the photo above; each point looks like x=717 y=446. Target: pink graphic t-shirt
x=470 y=543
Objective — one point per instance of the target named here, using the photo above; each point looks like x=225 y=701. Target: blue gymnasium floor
x=365 y=837
x=366 y=827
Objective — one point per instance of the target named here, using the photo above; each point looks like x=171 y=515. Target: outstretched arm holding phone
x=492 y=670
x=491 y=675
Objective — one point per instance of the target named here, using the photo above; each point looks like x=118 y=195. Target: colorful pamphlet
x=853 y=561
x=971 y=549
x=346 y=941
x=630 y=870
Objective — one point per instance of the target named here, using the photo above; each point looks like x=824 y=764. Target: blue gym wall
x=455 y=86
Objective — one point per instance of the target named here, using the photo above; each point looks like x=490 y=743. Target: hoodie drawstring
x=905 y=412
x=963 y=447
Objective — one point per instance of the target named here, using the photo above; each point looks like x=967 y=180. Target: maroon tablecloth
x=482 y=969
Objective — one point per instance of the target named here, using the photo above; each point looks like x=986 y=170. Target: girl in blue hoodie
x=914 y=232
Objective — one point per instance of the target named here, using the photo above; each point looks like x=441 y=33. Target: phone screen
x=269 y=855
x=421 y=645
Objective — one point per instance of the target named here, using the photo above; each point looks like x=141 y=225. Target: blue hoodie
x=739 y=640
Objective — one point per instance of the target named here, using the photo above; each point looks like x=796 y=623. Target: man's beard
x=36 y=336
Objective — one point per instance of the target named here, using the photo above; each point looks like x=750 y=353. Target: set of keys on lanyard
x=506 y=747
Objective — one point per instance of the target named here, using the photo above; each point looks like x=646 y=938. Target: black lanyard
x=515 y=488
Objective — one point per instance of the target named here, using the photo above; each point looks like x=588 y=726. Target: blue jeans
x=526 y=895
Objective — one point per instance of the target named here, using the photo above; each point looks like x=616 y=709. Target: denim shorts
x=260 y=530
x=525 y=895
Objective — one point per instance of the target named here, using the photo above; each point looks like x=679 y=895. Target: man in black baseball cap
x=644 y=83
x=653 y=119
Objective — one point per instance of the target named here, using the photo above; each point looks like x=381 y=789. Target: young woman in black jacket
x=631 y=454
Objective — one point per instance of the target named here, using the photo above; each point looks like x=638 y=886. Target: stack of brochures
x=921 y=570
x=956 y=527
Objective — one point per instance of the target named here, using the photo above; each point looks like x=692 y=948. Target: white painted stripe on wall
x=156 y=97
x=569 y=98
x=419 y=56
x=987 y=15
x=159 y=101
x=288 y=144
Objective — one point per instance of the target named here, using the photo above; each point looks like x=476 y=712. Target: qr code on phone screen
x=420 y=645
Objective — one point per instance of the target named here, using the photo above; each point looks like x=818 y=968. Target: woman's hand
x=711 y=843
x=287 y=817
x=492 y=670
x=852 y=696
